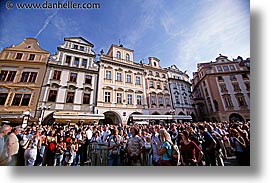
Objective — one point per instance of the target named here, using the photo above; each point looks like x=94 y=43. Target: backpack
x=175 y=158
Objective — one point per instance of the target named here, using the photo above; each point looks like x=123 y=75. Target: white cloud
x=222 y=29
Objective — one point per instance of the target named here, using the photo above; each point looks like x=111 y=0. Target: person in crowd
x=96 y=138
x=115 y=143
x=191 y=154
x=239 y=144
x=13 y=146
x=4 y=131
x=208 y=146
x=135 y=146
x=60 y=151
x=49 y=153
x=33 y=148
x=165 y=151
x=155 y=139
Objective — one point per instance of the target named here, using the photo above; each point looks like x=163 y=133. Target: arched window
x=127 y=57
x=118 y=54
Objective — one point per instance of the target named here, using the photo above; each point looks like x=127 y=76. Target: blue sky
x=181 y=32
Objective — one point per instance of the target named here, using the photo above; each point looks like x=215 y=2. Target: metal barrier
x=97 y=154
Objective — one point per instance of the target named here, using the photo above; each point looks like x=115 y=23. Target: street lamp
x=43 y=108
x=26 y=117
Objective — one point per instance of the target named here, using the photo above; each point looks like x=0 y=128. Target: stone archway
x=234 y=117
x=111 y=117
x=130 y=119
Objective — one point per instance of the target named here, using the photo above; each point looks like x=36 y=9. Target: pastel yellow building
x=120 y=87
x=22 y=69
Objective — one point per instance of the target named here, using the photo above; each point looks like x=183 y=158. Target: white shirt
x=89 y=134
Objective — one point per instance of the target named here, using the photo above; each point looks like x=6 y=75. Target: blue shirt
x=168 y=148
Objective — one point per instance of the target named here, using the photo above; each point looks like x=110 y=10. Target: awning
x=77 y=116
x=164 y=117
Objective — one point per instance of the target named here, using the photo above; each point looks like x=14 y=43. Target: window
x=3 y=98
x=17 y=99
x=26 y=100
x=73 y=77
x=7 y=75
x=56 y=75
x=219 y=68
x=177 y=99
x=232 y=77
x=175 y=86
x=167 y=101
x=32 y=77
x=138 y=99
x=75 y=47
x=241 y=101
x=232 y=67
x=52 y=96
x=158 y=86
x=70 y=97
x=206 y=92
x=119 y=98
x=185 y=101
x=220 y=78
x=157 y=74
x=153 y=100
x=225 y=68
x=160 y=100
x=84 y=62
x=24 y=77
x=163 y=76
x=228 y=102
x=127 y=57
x=31 y=56
x=128 y=78
x=3 y=75
x=223 y=88
x=150 y=73
x=88 y=79
x=130 y=99
x=165 y=86
x=151 y=84
x=108 y=74
x=86 y=98
x=137 y=80
x=107 y=97
x=118 y=54
x=68 y=60
x=19 y=56
x=155 y=64
x=81 y=48
x=118 y=76
x=76 y=61
x=236 y=87
x=21 y=99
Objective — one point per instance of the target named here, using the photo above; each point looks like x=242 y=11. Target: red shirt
x=189 y=151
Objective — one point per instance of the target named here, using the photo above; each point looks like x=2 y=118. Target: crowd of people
x=199 y=144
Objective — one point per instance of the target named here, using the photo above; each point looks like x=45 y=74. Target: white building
x=70 y=84
x=180 y=88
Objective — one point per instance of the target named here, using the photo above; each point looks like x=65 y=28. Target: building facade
x=22 y=70
x=157 y=88
x=120 y=87
x=221 y=90
x=180 y=89
x=70 y=85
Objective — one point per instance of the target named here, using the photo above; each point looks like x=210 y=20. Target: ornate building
x=180 y=88
x=221 y=89
x=120 y=87
x=22 y=70
x=70 y=84
x=157 y=88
